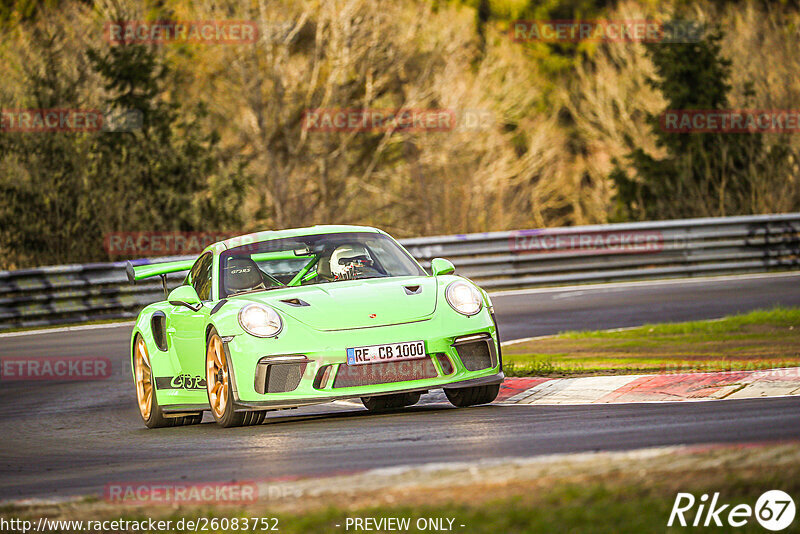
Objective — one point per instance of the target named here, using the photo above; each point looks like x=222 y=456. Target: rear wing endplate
x=142 y=271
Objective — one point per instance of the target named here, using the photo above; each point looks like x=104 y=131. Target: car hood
x=355 y=303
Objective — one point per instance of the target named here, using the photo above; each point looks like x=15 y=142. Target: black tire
x=249 y=418
x=463 y=397
x=181 y=420
x=156 y=418
x=228 y=417
x=383 y=403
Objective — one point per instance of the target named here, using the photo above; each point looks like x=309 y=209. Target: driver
x=349 y=262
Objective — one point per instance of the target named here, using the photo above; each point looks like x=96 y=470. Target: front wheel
x=384 y=403
x=463 y=397
x=218 y=386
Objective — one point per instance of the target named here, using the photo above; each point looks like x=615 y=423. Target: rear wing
x=140 y=272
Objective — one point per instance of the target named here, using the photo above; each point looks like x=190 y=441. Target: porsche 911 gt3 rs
x=282 y=319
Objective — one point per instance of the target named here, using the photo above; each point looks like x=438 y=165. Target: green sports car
x=282 y=319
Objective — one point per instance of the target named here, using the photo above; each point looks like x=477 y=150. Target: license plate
x=410 y=350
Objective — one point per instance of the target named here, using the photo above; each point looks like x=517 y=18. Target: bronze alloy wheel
x=144 y=379
x=217 y=376
x=220 y=396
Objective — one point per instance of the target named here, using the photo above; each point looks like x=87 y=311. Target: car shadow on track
x=352 y=415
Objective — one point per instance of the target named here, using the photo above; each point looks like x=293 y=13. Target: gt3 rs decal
x=182 y=381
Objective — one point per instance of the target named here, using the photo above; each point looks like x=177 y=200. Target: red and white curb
x=637 y=388
x=651 y=388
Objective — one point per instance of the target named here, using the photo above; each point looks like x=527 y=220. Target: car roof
x=269 y=235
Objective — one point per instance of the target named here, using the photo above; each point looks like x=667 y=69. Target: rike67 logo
x=774 y=511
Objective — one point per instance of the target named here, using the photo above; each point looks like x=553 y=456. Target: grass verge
x=592 y=492
x=757 y=340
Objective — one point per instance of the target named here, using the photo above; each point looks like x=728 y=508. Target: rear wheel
x=152 y=414
x=220 y=395
x=463 y=397
x=384 y=403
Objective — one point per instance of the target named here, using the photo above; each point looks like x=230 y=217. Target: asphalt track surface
x=72 y=438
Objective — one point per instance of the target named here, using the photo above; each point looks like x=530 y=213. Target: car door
x=186 y=327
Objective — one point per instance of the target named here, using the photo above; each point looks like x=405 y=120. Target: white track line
x=613 y=285
x=642 y=402
x=607 y=331
x=66 y=329
x=548 y=336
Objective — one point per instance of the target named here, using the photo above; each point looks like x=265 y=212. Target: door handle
x=171 y=330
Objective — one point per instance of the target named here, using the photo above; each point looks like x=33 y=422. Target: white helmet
x=347 y=258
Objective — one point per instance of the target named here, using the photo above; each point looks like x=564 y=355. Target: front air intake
x=476 y=352
x=279 y=374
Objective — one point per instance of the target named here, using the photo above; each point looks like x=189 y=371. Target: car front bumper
x=320 y=350
x=496 y=378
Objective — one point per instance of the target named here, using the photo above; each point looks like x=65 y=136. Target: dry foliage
x=540 y=157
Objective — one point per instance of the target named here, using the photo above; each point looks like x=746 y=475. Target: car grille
x=476 y=355
x=384 y=373
x=278 y=377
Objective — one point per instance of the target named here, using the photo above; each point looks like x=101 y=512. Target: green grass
x=610 y=492
x=756 y=340
x=570 y=508
x=775 y=317
x=635 y=501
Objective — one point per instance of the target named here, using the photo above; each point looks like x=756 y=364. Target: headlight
x=260 y=320
x=463 y=298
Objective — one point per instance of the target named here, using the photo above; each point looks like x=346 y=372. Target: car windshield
x=313 y=259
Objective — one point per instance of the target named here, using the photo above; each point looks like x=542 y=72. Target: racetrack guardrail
x=496 y=260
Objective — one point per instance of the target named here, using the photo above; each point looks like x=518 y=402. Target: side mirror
x=185 y=296
x=442 y=266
